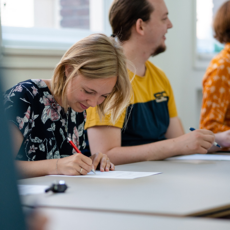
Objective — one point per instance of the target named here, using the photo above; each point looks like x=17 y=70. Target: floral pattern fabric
x=43 y=122
x=215 y=112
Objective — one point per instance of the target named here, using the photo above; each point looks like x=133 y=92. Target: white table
x=183 y=189
x=59 y=219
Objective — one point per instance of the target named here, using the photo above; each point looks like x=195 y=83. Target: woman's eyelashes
x=88 y=92
x=92 y=92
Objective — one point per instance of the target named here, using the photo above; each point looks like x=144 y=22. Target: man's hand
x=198 y=141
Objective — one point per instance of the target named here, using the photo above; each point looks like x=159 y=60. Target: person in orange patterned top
x=215 y=112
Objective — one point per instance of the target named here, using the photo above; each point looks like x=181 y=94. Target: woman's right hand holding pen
x=77 y=164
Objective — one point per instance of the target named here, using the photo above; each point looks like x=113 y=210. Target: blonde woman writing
x=43 y=113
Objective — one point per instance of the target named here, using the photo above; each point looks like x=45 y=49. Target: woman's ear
x=139 y=26
x=68 y=70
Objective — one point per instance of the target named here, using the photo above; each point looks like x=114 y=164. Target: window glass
x=51 y=24
x=206 y=10
x=75 y=14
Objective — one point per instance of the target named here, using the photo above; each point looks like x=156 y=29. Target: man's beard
x=158 y=50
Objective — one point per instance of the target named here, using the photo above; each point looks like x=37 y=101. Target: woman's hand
x=223 y=138
x=103 y=161
x=77 y=164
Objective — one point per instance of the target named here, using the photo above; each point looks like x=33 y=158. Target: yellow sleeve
x=171 y=103
x=168 y=88
x=93 y=119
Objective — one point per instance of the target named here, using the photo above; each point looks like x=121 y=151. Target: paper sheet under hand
x=206 y=157
x=115 y=175
x=31 y=189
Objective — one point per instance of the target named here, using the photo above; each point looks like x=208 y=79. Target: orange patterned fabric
x=215 y=112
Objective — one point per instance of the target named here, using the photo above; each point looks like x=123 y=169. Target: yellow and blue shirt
x=146 y=120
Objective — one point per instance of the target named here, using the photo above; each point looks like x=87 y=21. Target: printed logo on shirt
x=160 y=96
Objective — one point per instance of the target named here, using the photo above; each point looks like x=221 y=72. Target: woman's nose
x=93 y=101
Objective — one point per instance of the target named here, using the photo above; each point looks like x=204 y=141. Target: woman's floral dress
x=43 y=122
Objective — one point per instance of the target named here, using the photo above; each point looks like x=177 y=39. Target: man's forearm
x=153 y=151
x=108 y=140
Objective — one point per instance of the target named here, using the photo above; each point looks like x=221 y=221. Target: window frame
x=201 y=60
x=41 y=47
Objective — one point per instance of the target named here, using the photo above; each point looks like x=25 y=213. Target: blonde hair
x=96 y=56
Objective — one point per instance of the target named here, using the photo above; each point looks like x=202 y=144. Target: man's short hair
x=124 y=14
x=221 y=23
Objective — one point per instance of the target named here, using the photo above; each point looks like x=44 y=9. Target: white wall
x=178 y=61
x=23 y=64
x=13 y=76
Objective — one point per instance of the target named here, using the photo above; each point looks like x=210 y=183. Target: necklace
x=67 y=119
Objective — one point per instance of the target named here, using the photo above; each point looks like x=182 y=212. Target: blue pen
x=192 y=129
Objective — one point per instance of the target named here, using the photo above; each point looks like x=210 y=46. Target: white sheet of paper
x=115 y=175
x=31 y=189
x=206 y=157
